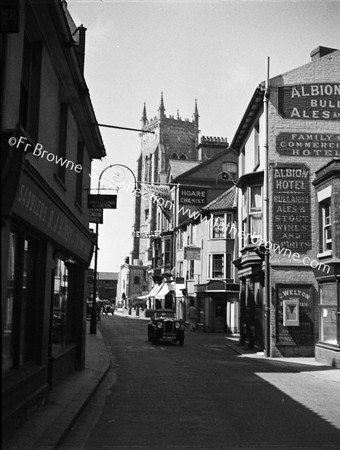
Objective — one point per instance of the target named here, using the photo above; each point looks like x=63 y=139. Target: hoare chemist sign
x=319 y=101
x=308 y=144
x=291 y=207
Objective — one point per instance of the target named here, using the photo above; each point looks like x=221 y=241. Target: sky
x=212 y=51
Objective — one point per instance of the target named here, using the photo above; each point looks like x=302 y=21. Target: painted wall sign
x=310 y=101
x=302 y=331
x=96 y=215
x=192 y=253
x=292 y=228
x=308 y=144
x=192 y=196
x=102 y=201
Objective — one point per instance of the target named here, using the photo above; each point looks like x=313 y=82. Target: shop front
x=217 y=303
x=45 y=258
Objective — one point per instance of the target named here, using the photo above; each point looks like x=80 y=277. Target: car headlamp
x=159 y=325
x=177 y=324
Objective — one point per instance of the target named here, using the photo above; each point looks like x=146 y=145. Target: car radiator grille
x=168 y=326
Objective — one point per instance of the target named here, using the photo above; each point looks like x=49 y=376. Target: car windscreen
x=165 y=315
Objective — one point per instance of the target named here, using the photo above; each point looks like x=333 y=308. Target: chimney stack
x=320 y=51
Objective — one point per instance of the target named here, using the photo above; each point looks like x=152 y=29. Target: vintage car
x=164 y=326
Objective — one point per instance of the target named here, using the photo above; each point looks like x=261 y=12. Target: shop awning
x=165 y=289
x=154 y=290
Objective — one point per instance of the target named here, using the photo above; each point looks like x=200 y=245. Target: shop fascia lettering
x=293 y=292
x=52 y=220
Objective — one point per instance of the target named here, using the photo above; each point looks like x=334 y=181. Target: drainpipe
x=266 y=299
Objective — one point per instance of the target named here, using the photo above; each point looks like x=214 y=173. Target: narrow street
x=203 y=396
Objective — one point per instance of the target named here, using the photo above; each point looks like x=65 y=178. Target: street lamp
x=93 y=324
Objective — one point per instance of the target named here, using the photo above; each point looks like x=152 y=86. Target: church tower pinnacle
x=196 y=115
x=161 y=108
x=144 y=116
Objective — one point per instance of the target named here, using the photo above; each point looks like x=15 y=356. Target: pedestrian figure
x=192 y=317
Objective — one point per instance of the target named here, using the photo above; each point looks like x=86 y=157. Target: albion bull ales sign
x=310 y=101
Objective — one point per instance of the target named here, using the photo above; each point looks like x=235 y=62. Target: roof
x=179 y=166
x=202 y=164
x=255 y=104
x=227 y=200
x=108 y=275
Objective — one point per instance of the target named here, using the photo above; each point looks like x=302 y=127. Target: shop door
x=220 y=311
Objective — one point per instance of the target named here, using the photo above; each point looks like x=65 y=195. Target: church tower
x=173 y=138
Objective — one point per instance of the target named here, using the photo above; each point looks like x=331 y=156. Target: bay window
x=220 y=265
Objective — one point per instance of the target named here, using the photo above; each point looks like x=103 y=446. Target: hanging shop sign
x=98 y=201
x=292 y=224
x=193 y=196
x=295 y=319
x=158 y=191
x=96 y=215
x=308 y=144
x=145 y=234
x=310 y=101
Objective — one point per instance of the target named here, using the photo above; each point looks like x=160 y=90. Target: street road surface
x=203 y=396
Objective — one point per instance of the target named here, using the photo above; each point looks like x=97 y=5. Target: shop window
x=20 y=308
x=326 y=225
x=61 y=308
x=328 y=314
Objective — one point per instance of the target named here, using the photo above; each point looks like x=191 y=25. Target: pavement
x=49 y=424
